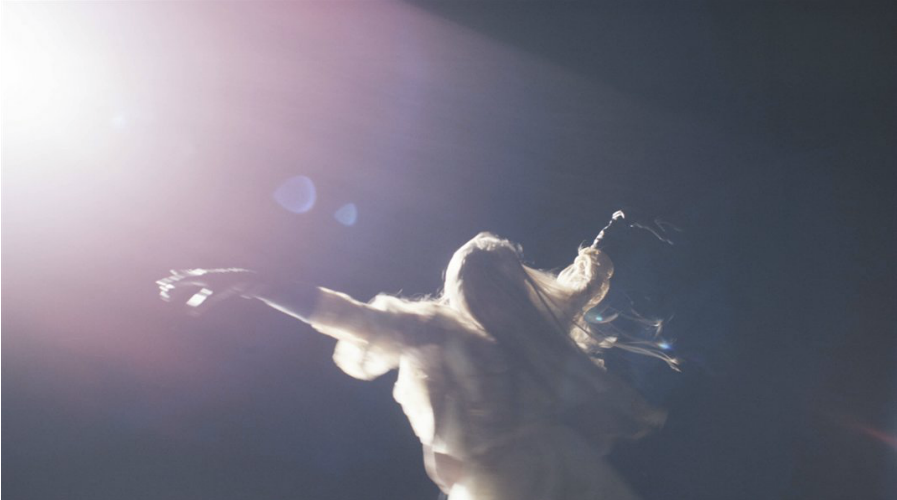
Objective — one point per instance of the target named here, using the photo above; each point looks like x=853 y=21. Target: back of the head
x=486 y=281
x=521 y=308
x=530 y=314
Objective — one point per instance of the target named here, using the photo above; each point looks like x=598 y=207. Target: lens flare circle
x=296 y=194
x=347 y=214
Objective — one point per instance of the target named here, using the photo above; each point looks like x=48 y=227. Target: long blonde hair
x=537 y=317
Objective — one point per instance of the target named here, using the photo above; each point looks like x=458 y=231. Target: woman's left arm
x=332 y=313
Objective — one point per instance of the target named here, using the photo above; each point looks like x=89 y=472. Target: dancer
x=501 y=376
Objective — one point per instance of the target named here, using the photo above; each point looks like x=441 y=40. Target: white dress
x=489 y=432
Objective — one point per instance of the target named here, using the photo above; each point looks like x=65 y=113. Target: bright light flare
x=53 y=81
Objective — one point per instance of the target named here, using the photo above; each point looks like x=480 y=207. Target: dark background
x=765 y=130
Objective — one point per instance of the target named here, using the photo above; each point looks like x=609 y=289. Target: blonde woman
x=500 y=376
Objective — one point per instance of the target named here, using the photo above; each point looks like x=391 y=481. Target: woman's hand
x=620 y=222
x=200 y=289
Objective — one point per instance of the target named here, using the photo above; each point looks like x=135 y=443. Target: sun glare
x=53 y=82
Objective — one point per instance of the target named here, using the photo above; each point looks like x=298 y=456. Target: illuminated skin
x=504 y=403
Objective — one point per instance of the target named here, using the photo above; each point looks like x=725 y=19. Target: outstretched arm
x=201 y=289
x=332 y=313
x=296 y=299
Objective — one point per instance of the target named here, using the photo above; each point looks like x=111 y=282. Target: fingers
x=181 y=284
x=203 y=277
x=178 y=280
x=201 y=289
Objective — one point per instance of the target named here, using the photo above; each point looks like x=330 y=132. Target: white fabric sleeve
x=371 y=337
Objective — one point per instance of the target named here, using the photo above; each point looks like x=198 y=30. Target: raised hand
x=620 y=222
x=200 y=289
